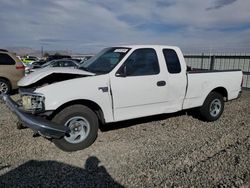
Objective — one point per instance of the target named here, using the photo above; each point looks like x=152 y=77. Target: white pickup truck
x=119 y=83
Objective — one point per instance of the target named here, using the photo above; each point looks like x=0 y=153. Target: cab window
x=142 y=62
x=172 y=61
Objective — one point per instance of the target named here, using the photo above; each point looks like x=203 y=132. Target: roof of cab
x=147 y=46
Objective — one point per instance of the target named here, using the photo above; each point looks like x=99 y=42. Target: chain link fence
x=222 y=62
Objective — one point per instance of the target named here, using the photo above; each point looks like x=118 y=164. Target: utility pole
x=42 y=51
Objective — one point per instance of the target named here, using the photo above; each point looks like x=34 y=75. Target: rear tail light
x=20 y=66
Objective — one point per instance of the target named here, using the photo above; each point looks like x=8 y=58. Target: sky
x=86 y=26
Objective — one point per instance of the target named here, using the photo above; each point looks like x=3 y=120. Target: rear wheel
x=213 y=107
x=83 y=124
x=5 y=87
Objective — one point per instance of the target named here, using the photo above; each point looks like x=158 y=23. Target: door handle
x=161 y=83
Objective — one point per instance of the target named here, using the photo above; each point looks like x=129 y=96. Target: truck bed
x=199 y=84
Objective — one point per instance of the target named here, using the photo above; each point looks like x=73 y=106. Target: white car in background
x=56 y=63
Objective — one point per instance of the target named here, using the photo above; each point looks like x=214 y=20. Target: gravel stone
x=174 y=150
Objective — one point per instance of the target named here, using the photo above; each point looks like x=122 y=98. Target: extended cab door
x=175 y=73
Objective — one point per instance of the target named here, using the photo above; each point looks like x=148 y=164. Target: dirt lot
x=162 y=151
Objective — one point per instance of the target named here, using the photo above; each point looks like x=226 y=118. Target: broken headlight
x=33 y=102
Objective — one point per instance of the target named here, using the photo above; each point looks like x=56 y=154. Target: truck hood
x=51 y=75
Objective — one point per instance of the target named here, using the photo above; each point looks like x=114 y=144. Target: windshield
x=105 y=60
x=84 y=59
x=48 y=63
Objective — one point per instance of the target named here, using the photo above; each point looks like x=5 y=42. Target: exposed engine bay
x=53 y=78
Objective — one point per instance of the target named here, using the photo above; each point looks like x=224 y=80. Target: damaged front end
x=31 y=110
x=32 y=102
x=40 y=125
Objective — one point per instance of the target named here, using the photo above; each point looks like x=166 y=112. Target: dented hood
x=45 y=72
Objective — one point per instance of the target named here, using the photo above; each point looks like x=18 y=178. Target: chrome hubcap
x=3 y=87
x=215 y=107
x=79 y=129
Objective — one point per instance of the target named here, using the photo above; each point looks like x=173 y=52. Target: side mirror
x=122 y=72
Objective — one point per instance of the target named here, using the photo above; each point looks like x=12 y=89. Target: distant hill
x=22 y=51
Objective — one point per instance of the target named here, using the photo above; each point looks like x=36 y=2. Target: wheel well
x=222 y=91
x=92 y=105
x=6 y=79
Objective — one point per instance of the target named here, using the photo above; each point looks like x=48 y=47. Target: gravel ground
x=162 y=151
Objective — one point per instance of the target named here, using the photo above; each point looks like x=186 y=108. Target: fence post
x=212 y=62
x=202 y=56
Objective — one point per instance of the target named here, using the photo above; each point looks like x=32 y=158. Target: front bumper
x=40 y=125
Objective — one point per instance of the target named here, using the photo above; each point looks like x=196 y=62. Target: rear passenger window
x=68 y=64
x=172 y=61
x=5 y=59
x=142 y=62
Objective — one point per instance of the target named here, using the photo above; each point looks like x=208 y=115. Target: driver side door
x=138 y=89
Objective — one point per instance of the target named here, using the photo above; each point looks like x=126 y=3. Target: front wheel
x=213 y=107
x=83 y=124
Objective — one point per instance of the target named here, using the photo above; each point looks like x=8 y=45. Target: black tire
x=215 y=100
x=75 y=111
x=6 y=83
